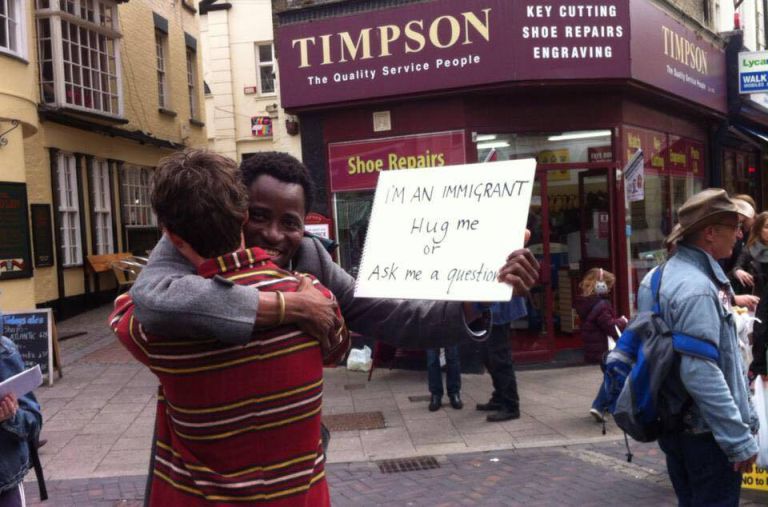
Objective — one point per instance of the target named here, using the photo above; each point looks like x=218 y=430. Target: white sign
x=634 y=177
x=444 y=233
x=753 y=72
x=321 y=230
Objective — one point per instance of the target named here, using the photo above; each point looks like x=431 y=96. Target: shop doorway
x=572 y=223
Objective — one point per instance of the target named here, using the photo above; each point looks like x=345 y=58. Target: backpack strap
x=656 y=288
x=696 y=347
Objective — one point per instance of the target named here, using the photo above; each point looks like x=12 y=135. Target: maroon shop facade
x=578 y=87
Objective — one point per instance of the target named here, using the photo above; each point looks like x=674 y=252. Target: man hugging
x=235 y=423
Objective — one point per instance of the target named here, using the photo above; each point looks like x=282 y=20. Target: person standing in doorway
x=452 y=378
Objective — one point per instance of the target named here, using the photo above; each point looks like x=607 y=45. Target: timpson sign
x=447 y=44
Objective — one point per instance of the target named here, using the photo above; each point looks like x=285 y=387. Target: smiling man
x=171 y=300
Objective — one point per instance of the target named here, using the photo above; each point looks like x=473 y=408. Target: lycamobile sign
x=753 y=72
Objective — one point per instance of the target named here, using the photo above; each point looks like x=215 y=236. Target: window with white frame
x=69 y=210
x=12 y=23
x=78 y=42
x=265 y=65
x=134 y=195
x=101 y=205
x=192 y=82
x=161 y=42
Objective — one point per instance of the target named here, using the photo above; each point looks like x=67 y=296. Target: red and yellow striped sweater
x=235 y=424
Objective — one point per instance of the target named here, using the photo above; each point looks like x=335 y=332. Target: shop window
x=740 y=174
x=353 y=211
x=265 y=63
x=101 y=207
x=68 y=210
x=12 y=22
x=79 y=49
x=673 y=171
x=558 y=148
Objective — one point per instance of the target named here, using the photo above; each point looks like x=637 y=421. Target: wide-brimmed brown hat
x=700 y=207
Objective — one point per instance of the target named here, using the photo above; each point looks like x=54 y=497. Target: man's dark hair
x=196 y=195
x=280 y=166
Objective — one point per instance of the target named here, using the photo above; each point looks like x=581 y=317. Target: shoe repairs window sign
x=356 y=165
x=443 y=233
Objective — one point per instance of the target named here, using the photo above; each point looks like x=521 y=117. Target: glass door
x=572 y=231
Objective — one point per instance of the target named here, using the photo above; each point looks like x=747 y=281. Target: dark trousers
x=497 y=359
x=700 y=471
x=452 y=371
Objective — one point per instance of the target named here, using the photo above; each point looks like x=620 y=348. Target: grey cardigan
x=172 y=300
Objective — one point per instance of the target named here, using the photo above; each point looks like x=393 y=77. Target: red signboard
x=677 y=156
x=356 y=165
x=653 y=144
x=669 y=55
x=449 y=44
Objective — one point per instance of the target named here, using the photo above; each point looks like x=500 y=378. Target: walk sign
x=753 y=72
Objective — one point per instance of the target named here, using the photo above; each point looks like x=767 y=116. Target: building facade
x=102 y=90
x=240 y=70
x=381 y=85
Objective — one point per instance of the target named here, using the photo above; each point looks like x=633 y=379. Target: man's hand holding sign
x=447 y=233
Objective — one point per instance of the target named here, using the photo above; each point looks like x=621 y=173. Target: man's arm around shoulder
x=172 y=300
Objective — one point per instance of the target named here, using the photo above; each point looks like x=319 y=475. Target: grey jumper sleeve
x=172 y=300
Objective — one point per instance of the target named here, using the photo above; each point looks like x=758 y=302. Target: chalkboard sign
x=42 y=235
x=32 y=332
x=15 y=254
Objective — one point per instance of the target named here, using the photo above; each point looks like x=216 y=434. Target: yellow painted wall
x=16 y=294
x=26 y=158
x=140 y=72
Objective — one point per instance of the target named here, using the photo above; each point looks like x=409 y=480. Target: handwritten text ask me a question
x=443 y=233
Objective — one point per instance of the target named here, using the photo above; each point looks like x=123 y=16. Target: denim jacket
x=695 y=299
x=21 y=428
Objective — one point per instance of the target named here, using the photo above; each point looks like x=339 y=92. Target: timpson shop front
x=580 y=87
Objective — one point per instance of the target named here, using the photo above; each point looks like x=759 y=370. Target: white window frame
x=161 y=52
x=194 y=105
x=69 y=211
x=15 y=28
x=261 y=65
x=84 y=54
x=101 y=205
x=135 y=182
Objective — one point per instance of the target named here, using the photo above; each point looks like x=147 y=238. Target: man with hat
x=705 y=462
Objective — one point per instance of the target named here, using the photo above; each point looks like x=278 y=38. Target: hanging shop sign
x=753 y=72
x=15 y=251
x=356 y=165
x=449 y=44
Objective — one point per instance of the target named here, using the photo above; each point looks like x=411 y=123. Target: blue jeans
x=452 y=371
x=700 y=471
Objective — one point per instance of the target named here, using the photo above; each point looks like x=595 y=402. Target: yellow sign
x=757 y=479
x=555 y=157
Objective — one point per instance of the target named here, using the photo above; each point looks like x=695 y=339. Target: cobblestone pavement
x=584 y=475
